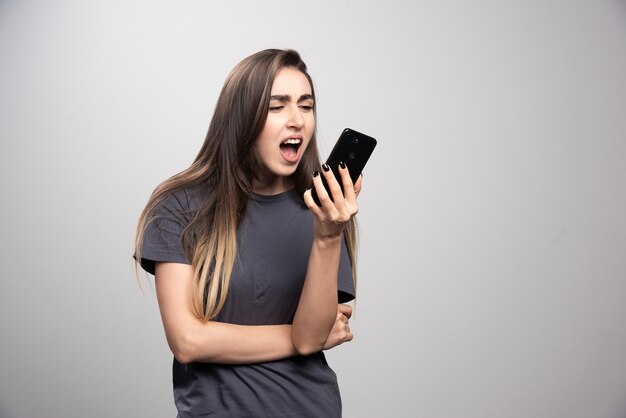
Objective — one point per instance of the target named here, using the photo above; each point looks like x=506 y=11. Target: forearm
x=317 y=308
x=194 y=340
x=217 y=342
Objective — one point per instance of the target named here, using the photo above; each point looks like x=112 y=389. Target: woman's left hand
x=333 y=214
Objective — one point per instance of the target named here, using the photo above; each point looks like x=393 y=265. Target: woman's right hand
x=341 y=330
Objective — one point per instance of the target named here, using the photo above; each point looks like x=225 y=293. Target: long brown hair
x=226 y=164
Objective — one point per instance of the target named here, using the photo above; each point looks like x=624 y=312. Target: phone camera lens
x=355 y=140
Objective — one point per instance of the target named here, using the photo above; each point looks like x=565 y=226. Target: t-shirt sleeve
x=345 y=284
x=162 y=239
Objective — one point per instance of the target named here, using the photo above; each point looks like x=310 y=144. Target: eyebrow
x=287 y=98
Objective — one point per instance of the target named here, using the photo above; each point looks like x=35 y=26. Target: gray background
x=493 y=256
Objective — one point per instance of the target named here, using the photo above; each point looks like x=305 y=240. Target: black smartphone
x=354 y=149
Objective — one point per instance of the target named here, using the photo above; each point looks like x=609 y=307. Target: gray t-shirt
x=274 y=242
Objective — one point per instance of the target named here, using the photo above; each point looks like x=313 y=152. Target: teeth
x=292 y=141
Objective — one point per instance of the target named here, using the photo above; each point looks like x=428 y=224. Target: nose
x=296 y=119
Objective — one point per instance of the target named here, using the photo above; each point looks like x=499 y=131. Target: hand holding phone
x=353 y=149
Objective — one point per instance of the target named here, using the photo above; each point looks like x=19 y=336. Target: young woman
x=251 y=275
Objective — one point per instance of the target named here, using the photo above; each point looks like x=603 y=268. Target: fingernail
x=325 y=167
x=316 y=173
x=342 y=164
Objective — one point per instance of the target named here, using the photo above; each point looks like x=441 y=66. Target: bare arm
x=317 y=309
x=192 y=340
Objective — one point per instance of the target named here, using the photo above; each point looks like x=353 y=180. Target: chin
x=287 y=173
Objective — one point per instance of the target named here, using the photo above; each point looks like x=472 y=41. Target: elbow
x=184 y=349
x=183 y=357
x=306 y=348
x=306 y=342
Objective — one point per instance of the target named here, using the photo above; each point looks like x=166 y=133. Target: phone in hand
x=354 y=149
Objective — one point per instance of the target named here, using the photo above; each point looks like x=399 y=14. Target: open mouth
x=289 y=148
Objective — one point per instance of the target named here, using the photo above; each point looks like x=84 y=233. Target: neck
x=273 y=186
